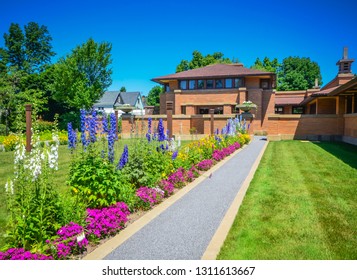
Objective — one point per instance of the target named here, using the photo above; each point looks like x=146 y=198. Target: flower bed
x=138 y=180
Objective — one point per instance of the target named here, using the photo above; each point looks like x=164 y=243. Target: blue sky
x=150 y=38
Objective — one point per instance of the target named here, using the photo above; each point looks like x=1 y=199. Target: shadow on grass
x=343 y=151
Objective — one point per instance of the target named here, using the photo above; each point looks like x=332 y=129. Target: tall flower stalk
x=124 y=158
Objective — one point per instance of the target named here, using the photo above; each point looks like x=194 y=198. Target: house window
x=183 y=84
x=298 y=110
x=209 y=84
x=265 y=83
x=218 y=110
x=203 y=110
x=167 y=87
x=279 y=110
x=238 y=82
x=191 y=84
x=200 y=84
x=183 y=110
x=219 y=83
x=229 y=83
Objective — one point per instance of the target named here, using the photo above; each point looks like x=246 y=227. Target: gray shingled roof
x=128 y=98
x=108 y=99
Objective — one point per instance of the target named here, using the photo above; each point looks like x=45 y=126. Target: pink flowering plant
x=107 y=221
x=149 y=196
x=204 y=164
x=22 y=254
x=70 y=240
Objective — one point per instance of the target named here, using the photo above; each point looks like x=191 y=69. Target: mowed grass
x=301 y=204
x=59 y=179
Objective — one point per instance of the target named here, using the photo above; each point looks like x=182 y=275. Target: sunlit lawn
x=301 y=204
x=59 y=179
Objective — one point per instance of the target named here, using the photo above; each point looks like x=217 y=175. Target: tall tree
x=298 y=73
x=14 y=46
x=81 y=78
x=153 y=98
x=38 y=48
x=30 y=51
x=198 y=60
x=266 y=65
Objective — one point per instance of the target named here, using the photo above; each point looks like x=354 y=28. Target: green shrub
x=96 y=181
x=2 y=129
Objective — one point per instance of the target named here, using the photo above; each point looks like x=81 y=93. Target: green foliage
x=123 y=89
x=146 y=164
x=95 y=180
x=81 y=78
x=198 y=60
x=14 y=46
x=32 y=201
x=153 y=98
x=298 y=73
x=267 y=65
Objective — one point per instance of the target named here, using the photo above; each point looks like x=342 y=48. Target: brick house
x=219 y=87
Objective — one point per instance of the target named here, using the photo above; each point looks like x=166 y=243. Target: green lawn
x=301 y=204
x=60 y=176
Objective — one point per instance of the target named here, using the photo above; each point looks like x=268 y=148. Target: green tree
x=14 y=46
x=298 y=73
x=38 y=48
x=81 y=78
x=153 y=98
x=198 y=60
x=266 y=65
x=30 y=51
x=122 y=89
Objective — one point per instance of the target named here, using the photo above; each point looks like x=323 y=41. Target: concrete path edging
x=110 y=245
x=220 y=235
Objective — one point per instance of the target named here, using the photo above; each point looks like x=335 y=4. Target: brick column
x=211 y=111
x=28 y=126
x=169 y=107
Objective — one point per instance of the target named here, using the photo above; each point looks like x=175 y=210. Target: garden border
x=106 y=248
x=222 y=231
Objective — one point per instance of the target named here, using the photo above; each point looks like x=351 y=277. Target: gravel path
x=184 y=230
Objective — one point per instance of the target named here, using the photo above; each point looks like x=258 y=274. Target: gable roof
x=214 y=70
x=108 y=99
x=127 y=98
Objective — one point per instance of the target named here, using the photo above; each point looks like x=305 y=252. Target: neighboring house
x=112 y=99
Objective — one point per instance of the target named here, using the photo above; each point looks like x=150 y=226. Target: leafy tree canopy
x=30 y=51
x=123 y=89
x=153 y=98
x=198 y=60
x=294 y=73
x=298 y=73
x=81 y=78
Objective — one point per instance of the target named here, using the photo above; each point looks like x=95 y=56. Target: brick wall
x=304 y=126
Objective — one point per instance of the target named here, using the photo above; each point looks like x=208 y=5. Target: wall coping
x=301 y=116
x=350 y=115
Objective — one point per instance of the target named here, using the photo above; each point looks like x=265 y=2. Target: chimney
x=344 y=64
x=345 y=53
x=316 y=83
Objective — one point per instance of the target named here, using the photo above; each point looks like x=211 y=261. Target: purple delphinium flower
x=174 y=155
x=104 y=124
x=111 y=137
x=72 y=137
x=83 y=128
x=124 y=158
x=113 y=125
x=93 y=127
x=148 y=134
x=161 y=131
